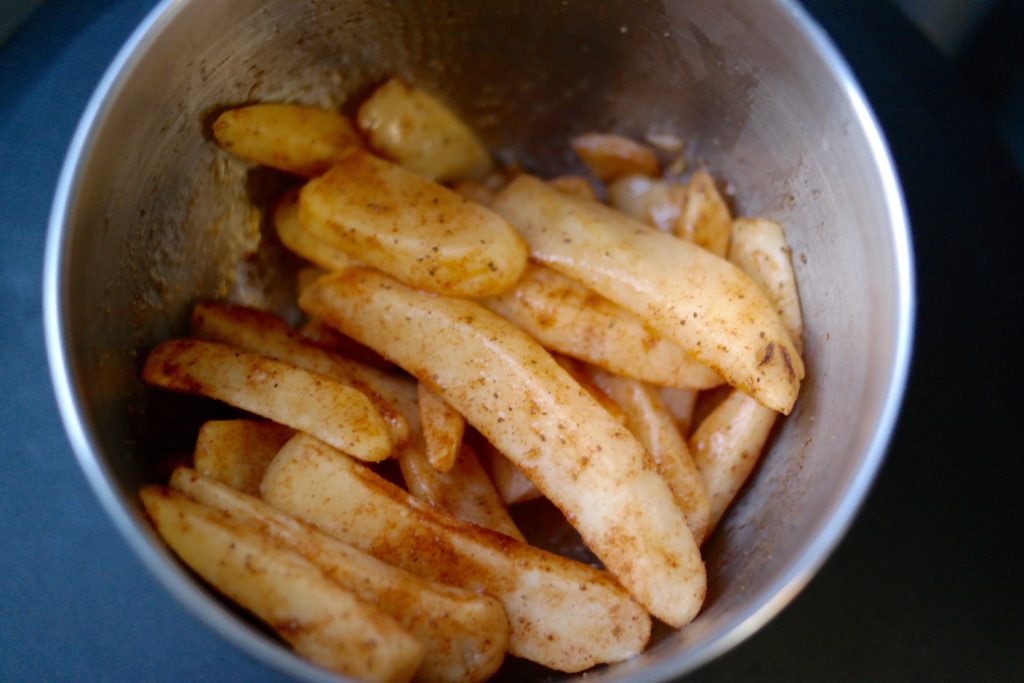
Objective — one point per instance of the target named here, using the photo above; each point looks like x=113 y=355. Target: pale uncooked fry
x=567 y=317
x=465 y=633
x=264 y=333
x=323 y=254
x=648 y=419
x=294 y=138
x=421 y=233
x=562 y=614
x=307 y=401
x=418 y=131
x=465 y=490
x=237 y=452
x=324 y=622
x=512 y=485
x=704 y=303
x=759 y=248
x=726 y=446
x=443 y=427
x=475 y=191
x=680 y=403
x=611 y=156
x=575 y=185
x=511 y=390
x=706 y=220
x=658 y=203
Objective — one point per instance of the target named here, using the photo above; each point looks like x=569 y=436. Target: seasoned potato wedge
x=574 y=185
x=649 y=420
x=562 y=614
x=706 y=220
x=658 y=203
x=264 y=333
x=442 y=429
x=726 y=446
x=611 y=156
x=704 y=303
x=465 y=633
x=422 y=134
x=302 y=140
x=583 y=378
x=324 y=622
x=759 y=248
x=509 y=388
x=512 y=485
x=421 y=233
x=307 y=401
x=475 y=191
x=680 y=403
x=319 y=252
x=237 y=452
x=567 y=317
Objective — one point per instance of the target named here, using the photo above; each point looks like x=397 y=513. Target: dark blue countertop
x=925 y=587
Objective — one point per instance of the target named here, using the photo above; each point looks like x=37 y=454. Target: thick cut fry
x=680 y=403
x=297 y=139
x=415 y=129
x=512 y=485
x=705 y=220
x=319 y=252
x=464 y=491
x=443 y=427
x=465 y=633
x=705 y=304
x=726 y=446
x=264 y=333
x=759 y=248
x=421 y=233
x=307 y=401
x=323 y=622
x=658 y=203
x=567 y=317
x=574 y=185
x=611 y=156
x=562 y=614
x=517 y=396
x=649 y=420
x=237 y=452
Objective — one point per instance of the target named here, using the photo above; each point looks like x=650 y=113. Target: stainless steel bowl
x=149 y=215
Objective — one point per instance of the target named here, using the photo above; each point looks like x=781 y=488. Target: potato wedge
x=475 y=191
x=574 y=185
x=611 y=156
x=291 y=234
x=680 y=404
x=465 y=633
x=302 y=140
x=567 y=317
x=442 y=426
x=307 y=401
x=705 y=304
x=323 y=622
x=329 y=339
x=726 y=446
x=562 y=614
x=422 y=134
x=464 y=491
x=421 y=233
x=264 y=333
x=649 y=420
x=658 y=203
x=237 y=452
x=517 y=396
x=512 y=485
x=579 y=373
x=706 y=220
x=759 y=248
